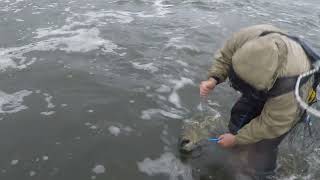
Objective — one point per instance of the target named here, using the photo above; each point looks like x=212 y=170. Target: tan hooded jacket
x=260 y=61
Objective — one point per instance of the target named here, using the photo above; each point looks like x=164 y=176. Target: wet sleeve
x=222 y=61
x=277 y=117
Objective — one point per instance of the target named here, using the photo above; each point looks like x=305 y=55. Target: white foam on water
x=127 y=129
x=162 y=98
x=84 y=40
x=32 y=173
x=6 y=62
x=165 y=132
x=175 y=99
x=147 y=67
x=93 y=127
x=293 y=177
x=144 y=15
x=16 y=2
x=114 y=130
x=122 y=17
x=163 y=89
x=168 y=165
x=99 y=169
x=161 y=8
x=45 y=158
x=80 y=40
x=149 y=113
x=48 y=99
x=12 y=103
x=132 y=101
x=87 y=124
x=178 y=84
x=64 y=30
x=14 y=162
x=48 y=113
x=77 y=138
x=180 y=43
x=182 y=63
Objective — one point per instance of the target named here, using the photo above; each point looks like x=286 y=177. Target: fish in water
x=198 y=129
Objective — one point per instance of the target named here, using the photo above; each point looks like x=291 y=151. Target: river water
x=98 y=89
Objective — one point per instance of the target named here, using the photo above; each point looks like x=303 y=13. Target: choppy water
x=98 y=89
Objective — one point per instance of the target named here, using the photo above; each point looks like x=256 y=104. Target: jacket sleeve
x=277 y=117
x=222 y=61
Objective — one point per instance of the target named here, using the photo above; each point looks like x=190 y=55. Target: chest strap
x=281 y=86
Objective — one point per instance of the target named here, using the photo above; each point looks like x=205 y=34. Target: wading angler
x=263 y=63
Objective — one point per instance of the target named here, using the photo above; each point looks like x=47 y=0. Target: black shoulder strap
x=284 y=85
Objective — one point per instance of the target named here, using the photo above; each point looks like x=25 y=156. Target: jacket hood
x=257 y=62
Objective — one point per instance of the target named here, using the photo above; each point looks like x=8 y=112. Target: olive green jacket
x=260 y=61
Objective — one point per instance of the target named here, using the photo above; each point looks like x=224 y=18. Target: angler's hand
x=227 y=140
x=207 y=86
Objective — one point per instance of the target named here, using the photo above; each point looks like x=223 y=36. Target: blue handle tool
x=214 y=139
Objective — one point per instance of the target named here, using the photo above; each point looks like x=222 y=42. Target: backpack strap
x=284 y=85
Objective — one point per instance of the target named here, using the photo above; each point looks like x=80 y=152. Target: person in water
x=263 y=63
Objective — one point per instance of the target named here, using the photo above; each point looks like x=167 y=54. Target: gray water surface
x=98 y=89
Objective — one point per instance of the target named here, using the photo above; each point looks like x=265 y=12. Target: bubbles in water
x=12 y=103
x=99 y=169
x=14 y=162
x=80 y=40
x=114 y=130
x=167 y=164
x=149 y=113
x=180 y=43
x=93 y=127
x=147 y=67
x=45 y=158
x=32 y=173
x=161 y=8
x=163 y=89
x=174 y=97
x=48 y=99
x=48 y=113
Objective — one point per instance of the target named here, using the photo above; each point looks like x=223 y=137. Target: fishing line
x=203 y=105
